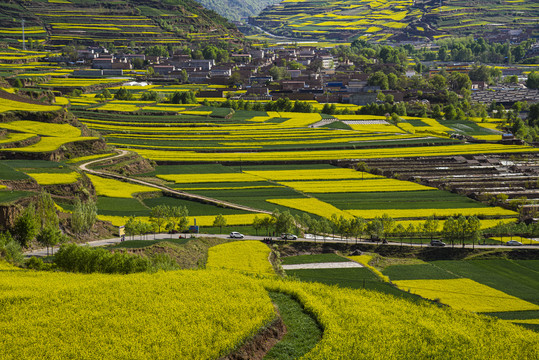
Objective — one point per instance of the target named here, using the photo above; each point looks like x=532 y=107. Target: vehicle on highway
x=513 y=243
x=289 y=237
x=236 y=235
x=437 y=243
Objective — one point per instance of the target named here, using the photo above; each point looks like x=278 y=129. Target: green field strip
x=313 y=259
x=195 y=208
x=121 y=207
x=32 y=164
x=503 y=275
x=354 y=278
x=9 y=173
x=302 y=330
x=190 y=169
x=9 y=196
x=431 y=199
x=515 y=315
x=417 y=272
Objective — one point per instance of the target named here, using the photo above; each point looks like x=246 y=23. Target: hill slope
x=144 y=22
x=237 y=9
x=390 y=19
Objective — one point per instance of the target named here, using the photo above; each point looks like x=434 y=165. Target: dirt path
x=164 y=189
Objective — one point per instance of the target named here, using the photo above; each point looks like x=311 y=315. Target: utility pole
x=23 y=43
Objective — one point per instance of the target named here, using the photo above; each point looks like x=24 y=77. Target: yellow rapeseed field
x=172 y=315
x=466 y=294
x=251 y=257
x=162 y=155
x=55 y=178
x=88 y=158
x=313 y=206
x=12 y=105
x=369 y=185
x=312 y=174
x=424 y=213
x=363 y=324
x=117 y=188
x=41 y=128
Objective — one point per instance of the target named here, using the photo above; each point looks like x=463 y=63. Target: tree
x=267 y=223
x=284 y=221
x=123 y=94
x=379 y=79
x=219 y=221
x=46 y=210
x=84 y=215
x=450 y=229
x=159 y=215
x=178 y=217
x=257 y=224
x=10 y=249
x=50 y=236
x=26 y=226
x=400 y=231
x=430 y=226
x=533 y=80
x=473 y=229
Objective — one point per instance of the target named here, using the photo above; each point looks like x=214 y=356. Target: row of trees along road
x=454 y=229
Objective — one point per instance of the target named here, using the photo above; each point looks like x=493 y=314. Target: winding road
x=164 y=189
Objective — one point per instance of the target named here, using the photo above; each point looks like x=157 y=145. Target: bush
x=10 y=250
x=83 y=259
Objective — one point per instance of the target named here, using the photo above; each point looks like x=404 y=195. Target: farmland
x=60 y=22
x=387 y=19
x=119 y=305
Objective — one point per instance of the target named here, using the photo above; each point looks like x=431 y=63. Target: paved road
x=309 y=238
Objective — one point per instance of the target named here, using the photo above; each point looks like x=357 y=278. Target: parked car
x=289 y=237
x=513 y=243
x=236 y=235
x=437 y=243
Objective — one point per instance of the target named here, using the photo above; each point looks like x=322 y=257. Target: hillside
x=135 y=22
x=237 y=9
x=403 y=20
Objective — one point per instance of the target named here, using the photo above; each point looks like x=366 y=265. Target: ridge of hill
x=237 y=9
x=135 y=22
x=381 y=20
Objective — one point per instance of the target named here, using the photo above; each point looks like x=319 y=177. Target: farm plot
x=196 y=314
x=52 y=136
x=244 y=256
x=466 y=294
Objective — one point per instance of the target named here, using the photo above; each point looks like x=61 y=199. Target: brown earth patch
x=257 y=347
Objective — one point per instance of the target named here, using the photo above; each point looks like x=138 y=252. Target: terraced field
x=380 y=20
x=90 y=22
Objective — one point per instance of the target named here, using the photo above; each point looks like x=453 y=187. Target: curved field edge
x=362 y=324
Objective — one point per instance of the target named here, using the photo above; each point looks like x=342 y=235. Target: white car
x=236 y=235
x=289 y=237
x=513 y=243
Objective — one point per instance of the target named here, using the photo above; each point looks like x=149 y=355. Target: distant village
x=301 y=73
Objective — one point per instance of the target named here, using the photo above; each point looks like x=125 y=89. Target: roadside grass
x=354 y=278
x=303 y=332
x=138 y=244
x=313 y=259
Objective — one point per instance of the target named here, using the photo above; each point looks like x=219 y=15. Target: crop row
x=160 y=155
